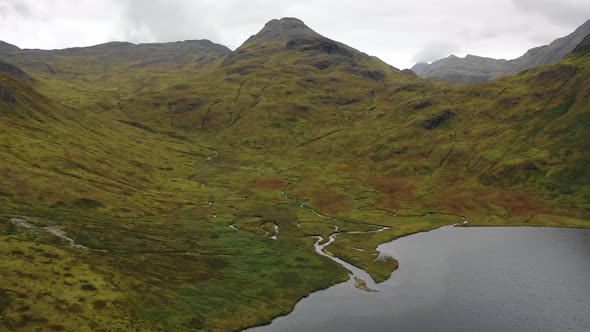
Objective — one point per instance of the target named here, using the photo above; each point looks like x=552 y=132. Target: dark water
x=464 y=279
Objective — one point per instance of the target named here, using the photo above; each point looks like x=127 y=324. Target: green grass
x=117 y=158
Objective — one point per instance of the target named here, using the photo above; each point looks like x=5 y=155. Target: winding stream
x=358 y=275
x=355 y=271
x=457 y=279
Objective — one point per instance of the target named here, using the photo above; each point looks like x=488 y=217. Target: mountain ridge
x=476 y=69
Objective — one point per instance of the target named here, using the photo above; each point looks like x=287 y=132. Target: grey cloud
x=22 y=9
x=435 y=50
x=164 y=21
x=562 y=12
x=14 y=7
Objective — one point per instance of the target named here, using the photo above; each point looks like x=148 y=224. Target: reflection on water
x=464 y=279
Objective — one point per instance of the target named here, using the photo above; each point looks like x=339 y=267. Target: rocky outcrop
x=437 y=120
x=12 y=70
x=283 y=30
x=321 y=44
x=7 y=96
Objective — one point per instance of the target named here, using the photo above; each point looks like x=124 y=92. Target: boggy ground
x=177 y=264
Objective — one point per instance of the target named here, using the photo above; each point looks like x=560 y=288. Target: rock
x=12 y=70
x=422 y=104
x=347 y=101
x=322 y=64
x=437 y=120
x=7 y=96
x=321 y=44
x=283 y=30
x=373 y=74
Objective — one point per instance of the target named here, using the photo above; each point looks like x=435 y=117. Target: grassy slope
x=365 y=150
x=142 y=197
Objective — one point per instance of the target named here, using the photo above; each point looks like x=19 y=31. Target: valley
x=185 y=186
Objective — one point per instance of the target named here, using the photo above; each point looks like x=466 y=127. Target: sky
x=399 y=32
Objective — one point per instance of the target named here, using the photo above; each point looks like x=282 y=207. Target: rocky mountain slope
x=475 y=69
x=167 y=171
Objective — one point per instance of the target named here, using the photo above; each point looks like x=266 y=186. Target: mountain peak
x=420 y=68
x=284 y=29
x=286 y=21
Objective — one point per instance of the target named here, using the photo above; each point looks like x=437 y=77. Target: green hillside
x=141 y=185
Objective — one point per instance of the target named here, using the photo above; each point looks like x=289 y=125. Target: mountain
x=4 y=46
x=471 y=69
x=420 y=68
x=118 y=67
x=475 y=69
x=147 y=55
x=142 y=186
x=291 y=36
x=286 y=61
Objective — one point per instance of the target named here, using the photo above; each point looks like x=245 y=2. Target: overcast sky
x=399 y=32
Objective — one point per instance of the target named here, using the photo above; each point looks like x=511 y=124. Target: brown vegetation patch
x=393 y=190
x=491 y=201
x=327 y=200
x=269 y=183
x=393 y=186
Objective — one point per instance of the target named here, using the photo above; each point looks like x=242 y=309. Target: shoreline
x=397 y=238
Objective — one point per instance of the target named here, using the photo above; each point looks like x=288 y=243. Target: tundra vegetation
x=123 y=167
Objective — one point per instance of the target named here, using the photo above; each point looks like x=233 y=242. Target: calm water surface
x=464 y=279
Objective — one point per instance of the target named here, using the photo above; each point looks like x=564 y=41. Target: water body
x=464 y=279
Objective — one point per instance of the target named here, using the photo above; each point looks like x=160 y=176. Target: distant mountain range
x=195 y=52
x=475 y=69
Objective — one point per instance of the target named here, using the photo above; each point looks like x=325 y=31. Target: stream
x=362 y=279
x=49 y=229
